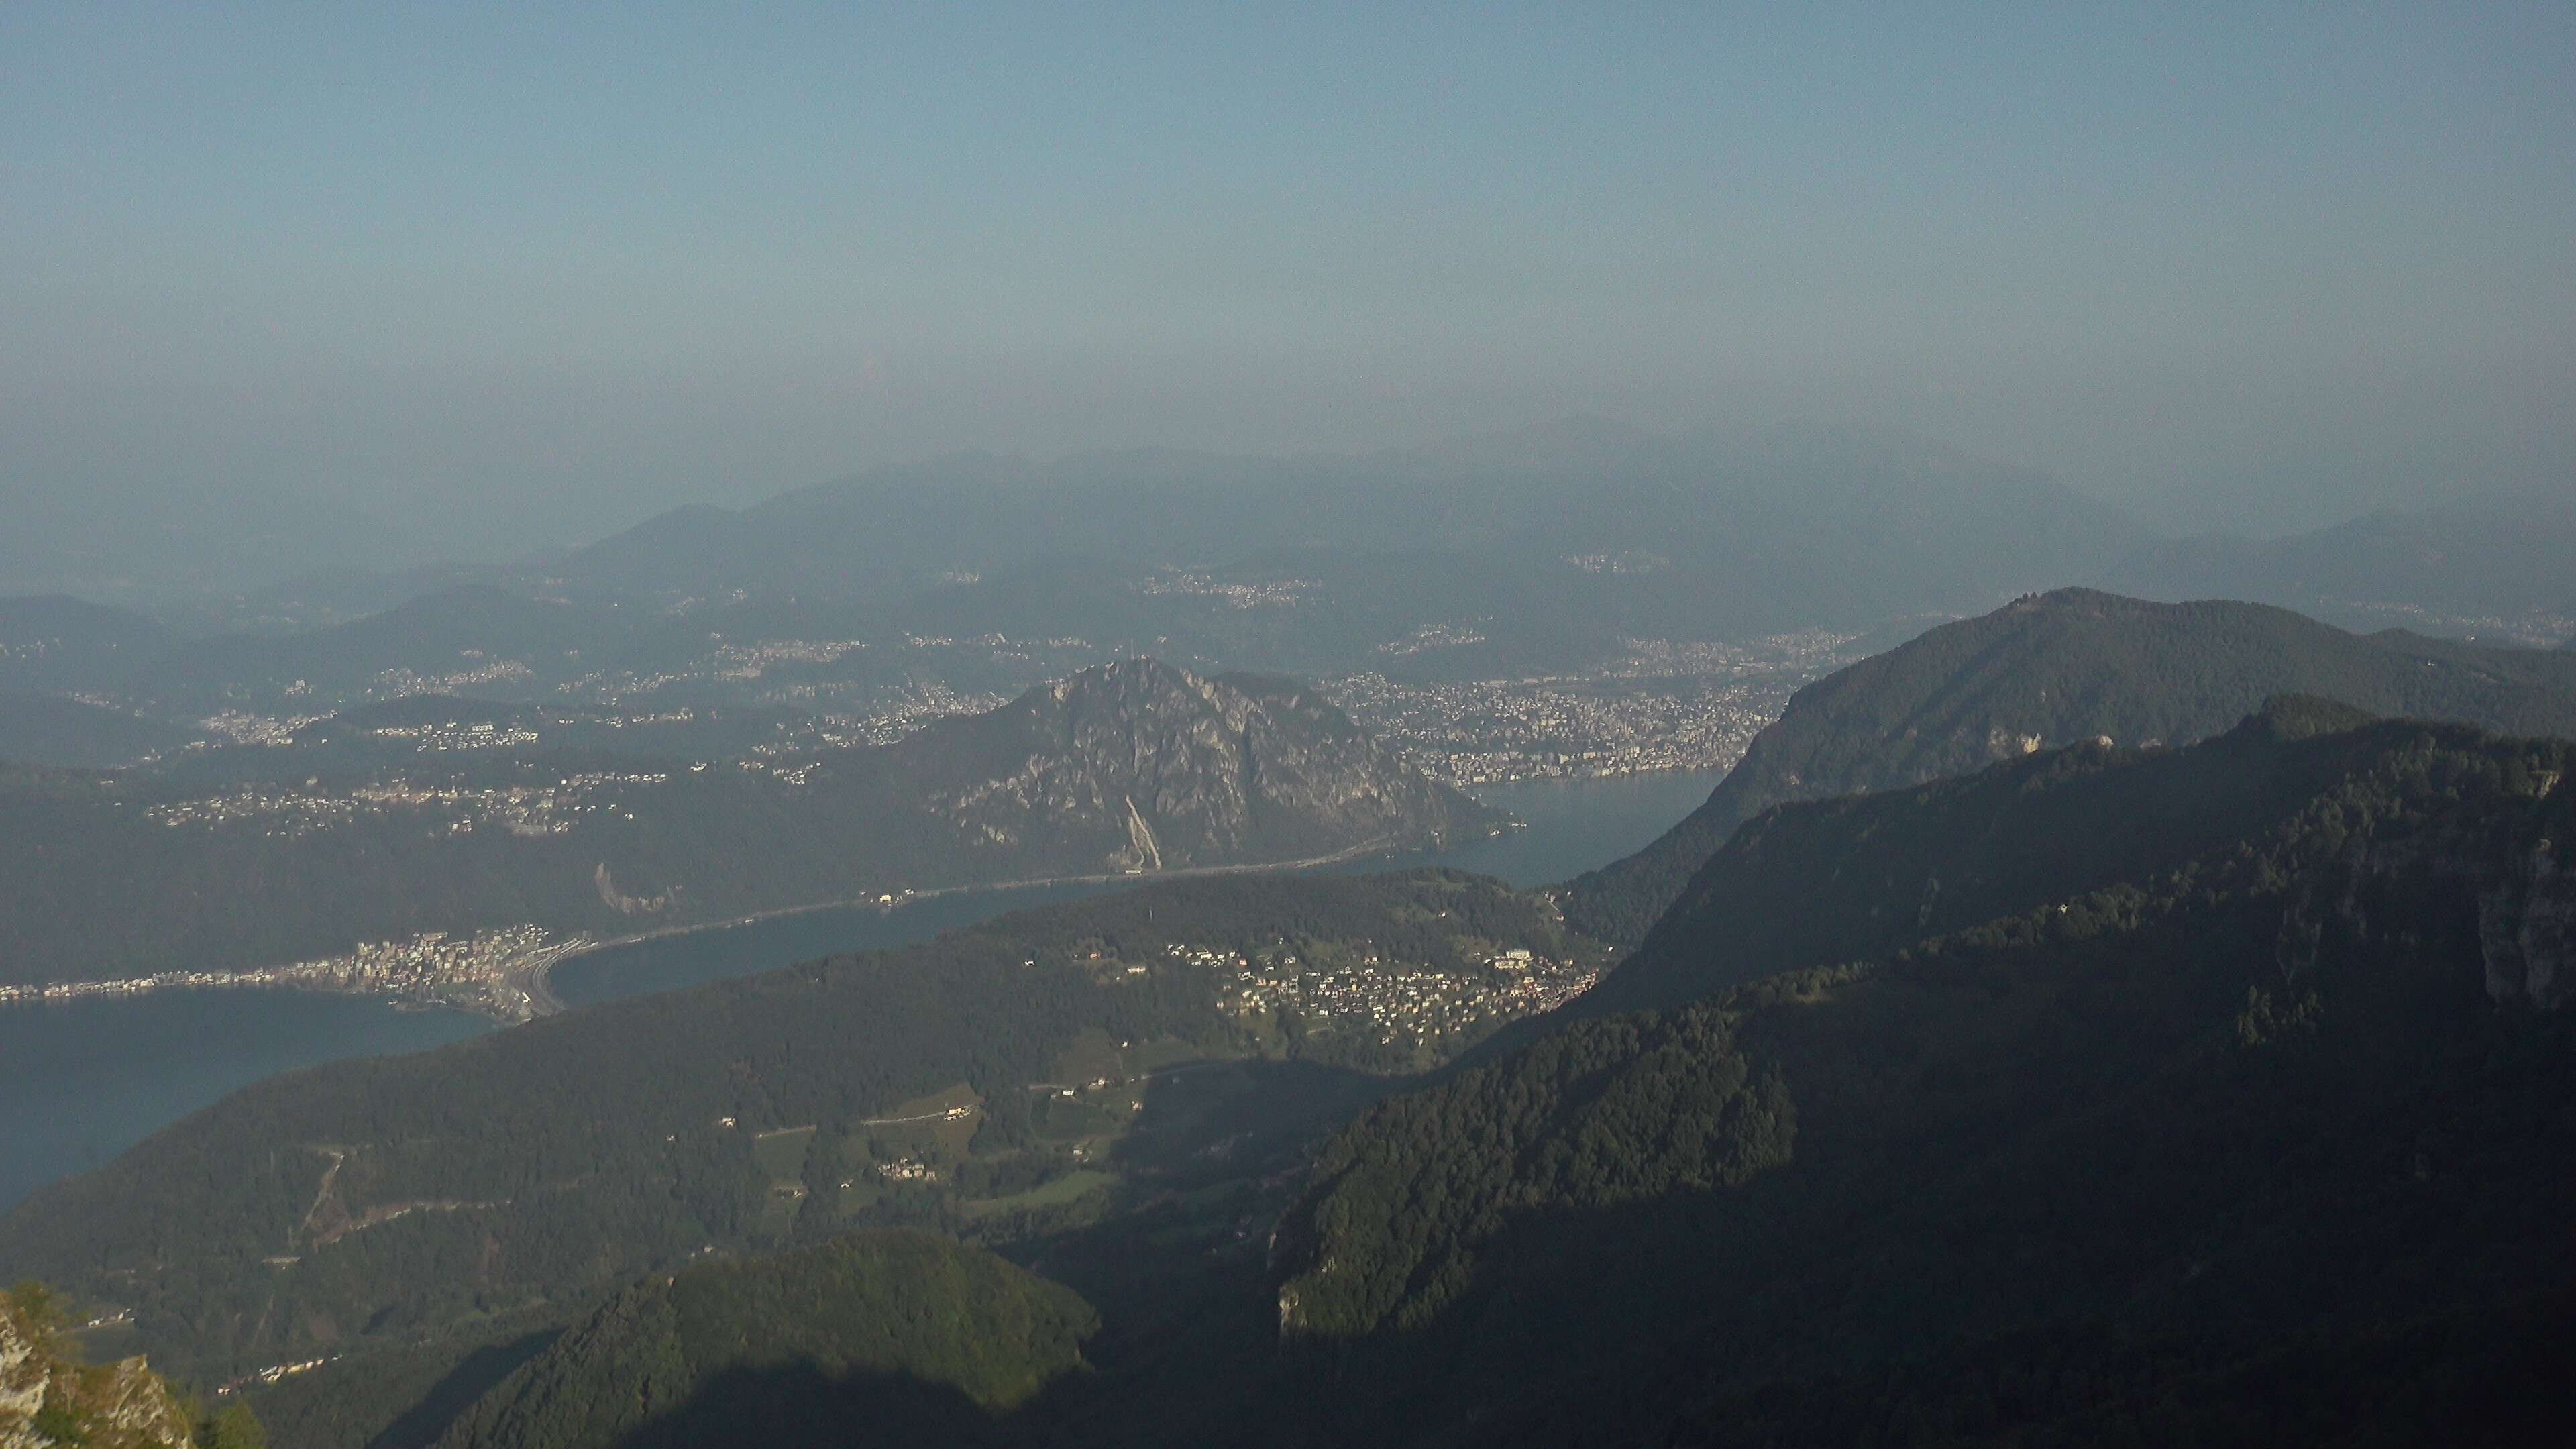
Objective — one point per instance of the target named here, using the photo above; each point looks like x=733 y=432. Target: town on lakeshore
x=499 y=973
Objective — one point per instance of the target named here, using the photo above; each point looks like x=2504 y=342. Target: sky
x=523 y=274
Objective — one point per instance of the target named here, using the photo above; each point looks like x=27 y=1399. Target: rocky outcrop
x=1140 y=766
x=2527 y=930
x=23 y=1377
x=2525 y=895
x=47 y=1399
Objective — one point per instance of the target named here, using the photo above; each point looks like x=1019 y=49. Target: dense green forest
x=53 y=729
x=2107 y=1165
x=883 y=1337
x=1861 y=876
x=55 y=643
x=2055 y=669
x=998 y=1081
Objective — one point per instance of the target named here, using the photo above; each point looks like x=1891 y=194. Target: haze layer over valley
x=1104 y=726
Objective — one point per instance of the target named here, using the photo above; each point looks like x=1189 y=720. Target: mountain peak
x=2304 y=716
x=2068 y=665
x=1141 y=671
x=1147 y=766
x=2073 y=598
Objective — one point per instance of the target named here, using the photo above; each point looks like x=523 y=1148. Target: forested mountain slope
x=2056 y=668
x=61 y=732
x=997 y=1080
x=2246 y=1132
x=56 y=642
x=1859 y=876
x=876 y=1338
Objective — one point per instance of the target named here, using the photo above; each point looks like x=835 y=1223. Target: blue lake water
x=81 y=1081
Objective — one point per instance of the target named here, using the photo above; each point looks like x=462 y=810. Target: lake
x=82 y=1080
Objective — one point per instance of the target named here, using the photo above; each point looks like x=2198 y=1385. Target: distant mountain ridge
x=2056 y=668
x=458 y=633
x=58 y=643
x=60 y=732
x=2501 y=556
x=1901 y=519
x=1760 y=529
x=1549 y=548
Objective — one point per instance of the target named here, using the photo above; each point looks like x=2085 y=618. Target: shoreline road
x=530 y=977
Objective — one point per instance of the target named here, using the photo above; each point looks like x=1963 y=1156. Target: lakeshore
x=92 y=1075
x=505 y=973
x=501 y=974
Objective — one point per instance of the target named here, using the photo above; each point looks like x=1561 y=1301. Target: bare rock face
x=2527 y=931
x=46 y=1399
x=23 y=1377
x=2524 y=888
x=127 y=1404
x=1140 y=766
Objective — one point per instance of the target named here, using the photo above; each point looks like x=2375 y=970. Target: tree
x=235 y=1428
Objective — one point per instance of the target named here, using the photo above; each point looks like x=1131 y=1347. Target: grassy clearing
x=1065 y=1189
x=781 y=1153
x=1092 y=1055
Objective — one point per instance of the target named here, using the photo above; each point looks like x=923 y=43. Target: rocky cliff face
x=46 y=1399
x=2527 y=929
x=2523 y=887
x=23 y=1378
x=1140 y=766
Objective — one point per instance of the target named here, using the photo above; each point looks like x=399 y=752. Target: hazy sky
x=2249 y=266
